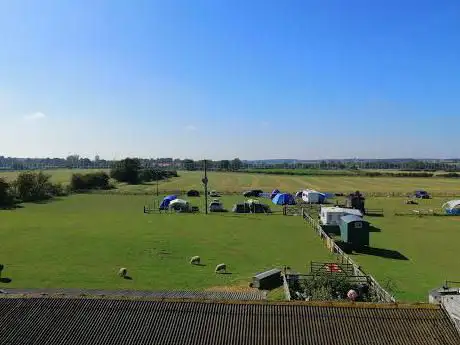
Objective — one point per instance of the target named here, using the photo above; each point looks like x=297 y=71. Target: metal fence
x=343 y=258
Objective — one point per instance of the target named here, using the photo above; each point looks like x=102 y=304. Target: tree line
x=75 y=161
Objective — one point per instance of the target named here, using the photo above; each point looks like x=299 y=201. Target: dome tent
x=283 y=199
x=275 y=191
x=452 y=207
x=179 y=205
x=165 y=203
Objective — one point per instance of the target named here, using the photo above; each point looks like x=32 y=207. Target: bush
x=58 y=189
x=83 y=182
x=327 y=286
x=35 y=186
x=449 y=175
x=30 y=186
x=6 y=197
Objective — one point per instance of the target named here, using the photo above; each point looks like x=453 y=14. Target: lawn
x=81 y=241
x=428 y=247
x=238 y=182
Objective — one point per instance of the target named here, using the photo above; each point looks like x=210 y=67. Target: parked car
x=421 y=194
x=253 y=193
x=216 y=206
x=214 y=194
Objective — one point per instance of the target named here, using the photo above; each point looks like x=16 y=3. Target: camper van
x=332 y=215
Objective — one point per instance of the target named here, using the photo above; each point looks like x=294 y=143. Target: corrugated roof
x=71 y=321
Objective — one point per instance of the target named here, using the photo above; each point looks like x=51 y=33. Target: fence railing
x=383 y=295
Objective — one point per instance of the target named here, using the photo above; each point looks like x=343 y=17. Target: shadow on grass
x=201 y=265
x=384 y=253
x=241 y=215
x=11 y=207
x=47 y=201
x=374 y=229
x=225 y=273
x=5 y=280
x=127 y=278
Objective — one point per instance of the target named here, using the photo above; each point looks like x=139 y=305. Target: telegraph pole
x=205 y=182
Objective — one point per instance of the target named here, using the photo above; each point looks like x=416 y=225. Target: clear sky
x=219 y=79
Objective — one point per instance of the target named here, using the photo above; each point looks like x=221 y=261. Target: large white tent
x=452 y=207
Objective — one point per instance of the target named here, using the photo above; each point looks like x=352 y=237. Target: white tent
x=178 y=201
x=452 y=207
x=313 y=197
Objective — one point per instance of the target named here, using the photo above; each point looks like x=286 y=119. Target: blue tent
x=165 y=203
x=283 y=199
x=275 y=191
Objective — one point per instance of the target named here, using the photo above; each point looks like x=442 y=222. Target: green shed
x=354 y=230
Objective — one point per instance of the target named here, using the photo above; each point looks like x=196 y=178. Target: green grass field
x=81 y=241
x=237 y=182
x=428 y=246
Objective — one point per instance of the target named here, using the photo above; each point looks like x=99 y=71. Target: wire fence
x=343 y=258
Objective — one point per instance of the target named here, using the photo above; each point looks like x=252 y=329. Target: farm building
x=354 y=230
x=283 y=199
x=332 y=215
x=80 y=321
x=313 y=197
x=356 y=200
x=268 y=280
x=452 y=207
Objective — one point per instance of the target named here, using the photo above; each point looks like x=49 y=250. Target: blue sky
x=222 y=79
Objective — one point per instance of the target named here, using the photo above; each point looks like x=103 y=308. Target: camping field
x=238 y=182
x=81 y=241
x=413 y=254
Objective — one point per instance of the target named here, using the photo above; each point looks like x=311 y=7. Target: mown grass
x=81 y=241
x=238 y=182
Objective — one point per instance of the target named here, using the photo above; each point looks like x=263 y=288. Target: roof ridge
x=333 y=304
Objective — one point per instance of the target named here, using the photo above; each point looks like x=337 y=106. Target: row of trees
x=32 y=186
x=223 y=165
x=75 y=161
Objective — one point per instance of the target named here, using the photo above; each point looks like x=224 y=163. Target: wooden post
x=205 y=181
